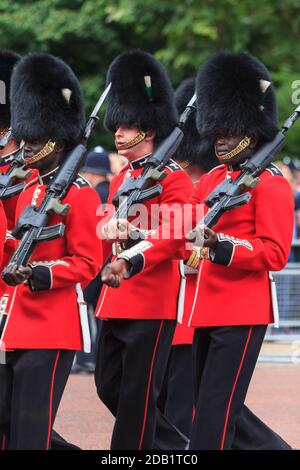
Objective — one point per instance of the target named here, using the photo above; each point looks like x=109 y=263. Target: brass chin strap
x=3 y=132
x=241 y=146
x=131 y=143
x=46 y=150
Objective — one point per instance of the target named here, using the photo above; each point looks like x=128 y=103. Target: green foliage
x=181 y=33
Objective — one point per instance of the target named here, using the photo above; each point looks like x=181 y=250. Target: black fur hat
x=234 y=93
x=193 y=148
x=8 y=59
x=46 y=100
x=141 y=94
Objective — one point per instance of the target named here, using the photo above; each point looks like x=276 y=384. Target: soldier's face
x=47 y=163
x=225 y=143
x=125 y=134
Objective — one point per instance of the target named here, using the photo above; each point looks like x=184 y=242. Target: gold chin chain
x=241 y=146
x=46 y=150
x=3 y=132
x=131 y=143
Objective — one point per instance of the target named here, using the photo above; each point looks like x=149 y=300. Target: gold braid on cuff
x=241 y=146
x=131 y=143
x=196 y=256
x=46 y=150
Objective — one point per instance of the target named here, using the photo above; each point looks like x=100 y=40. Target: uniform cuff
x=135 y=257
x=41 y=278
x=136 y=264
x=223 y=253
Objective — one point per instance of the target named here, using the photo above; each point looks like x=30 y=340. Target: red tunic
x=43 y=314
x=9 y=206
x=254 y=239
x=151 y=294
x=184 y=334
x=3 y=225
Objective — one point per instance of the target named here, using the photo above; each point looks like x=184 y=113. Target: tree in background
x=181 y=33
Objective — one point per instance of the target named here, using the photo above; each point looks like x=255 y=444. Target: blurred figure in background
x=288 y=304
x=288 y=170
x=97 y=170
x=117 y=162
x=294 y=166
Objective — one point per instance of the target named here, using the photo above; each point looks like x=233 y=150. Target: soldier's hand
x=203 y=237
x=117 y=230
x=210 y=238
x=113 y=273
x=17 y=275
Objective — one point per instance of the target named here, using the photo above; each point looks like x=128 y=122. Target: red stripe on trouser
x=51 y=401
x=193 y=413
x=3 y=443
x=234 y=387
x=149 y=385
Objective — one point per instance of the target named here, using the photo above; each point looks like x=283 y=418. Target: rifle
x=31 y=227
x=15 y=171
x=229 y=193
x=135 y=190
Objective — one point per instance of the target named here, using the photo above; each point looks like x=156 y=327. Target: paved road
x=274 y=395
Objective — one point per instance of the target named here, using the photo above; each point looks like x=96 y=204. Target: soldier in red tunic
x=195 y=156
x=8 y=59
x=233 y=301
x=140 y=316
x=43 y=326
x=198 y=157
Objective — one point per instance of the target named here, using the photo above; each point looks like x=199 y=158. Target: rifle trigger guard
x=20 y=173
x=249 y=181
x=54 y=205
x=157 y=175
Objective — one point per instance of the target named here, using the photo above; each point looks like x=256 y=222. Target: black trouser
x=253 y=434
x=176 y=397
x=176 y=403
x=131 y=363
x=31 y=386
x=224 y=359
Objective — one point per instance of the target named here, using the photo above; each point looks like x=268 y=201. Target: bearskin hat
x=8 y=59
x=235 y=93
x=193 y=148
x=46 y=100
x=141 y=94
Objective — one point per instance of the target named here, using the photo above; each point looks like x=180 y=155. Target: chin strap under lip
x=46 y=150
x=131 y=143
x=244 y=143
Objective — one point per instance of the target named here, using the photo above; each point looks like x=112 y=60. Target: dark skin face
x=48 y=163
x=225 y=143
x=20 y=274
